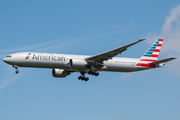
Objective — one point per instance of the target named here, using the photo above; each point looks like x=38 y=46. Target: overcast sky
x=89 y=28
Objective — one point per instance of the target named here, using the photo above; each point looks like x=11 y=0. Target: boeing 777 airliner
x=63 y=65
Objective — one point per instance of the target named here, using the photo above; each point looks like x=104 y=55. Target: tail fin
x=152 y=53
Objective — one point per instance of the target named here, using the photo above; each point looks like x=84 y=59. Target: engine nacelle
x=77 y=63
x=60 y=73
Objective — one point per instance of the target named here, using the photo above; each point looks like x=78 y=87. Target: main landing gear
x=16 y=67
x=82 y=77
x=93 y=73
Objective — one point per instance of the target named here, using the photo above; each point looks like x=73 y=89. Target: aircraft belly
x=119 y=67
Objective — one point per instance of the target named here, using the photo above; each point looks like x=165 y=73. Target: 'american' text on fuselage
x=50 y=58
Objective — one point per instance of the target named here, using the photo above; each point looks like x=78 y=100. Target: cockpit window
x=8 y=56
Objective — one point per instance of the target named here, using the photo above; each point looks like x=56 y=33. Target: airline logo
x=151 y=54
x=28 y=56
x=48 y=57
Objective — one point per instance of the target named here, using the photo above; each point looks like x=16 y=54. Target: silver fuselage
x=61 y=61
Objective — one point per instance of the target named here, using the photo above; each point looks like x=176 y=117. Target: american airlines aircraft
x=63 y=65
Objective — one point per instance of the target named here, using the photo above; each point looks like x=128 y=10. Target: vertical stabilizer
x=152 y=53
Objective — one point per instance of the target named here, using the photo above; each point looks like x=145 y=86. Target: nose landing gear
x=17 y=71
x=16 y=67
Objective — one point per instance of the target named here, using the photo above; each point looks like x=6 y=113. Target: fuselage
x=63 y=65
x=61 y=61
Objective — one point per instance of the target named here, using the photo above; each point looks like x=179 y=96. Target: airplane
x=63 y=65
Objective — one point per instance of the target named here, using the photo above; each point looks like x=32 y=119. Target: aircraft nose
x=5 y=60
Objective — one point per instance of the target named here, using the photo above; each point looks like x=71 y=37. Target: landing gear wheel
x=17 y=71
x=80 y=77
x=96 y=74
x=86 y=79
x=90 y=72
x=83 y=78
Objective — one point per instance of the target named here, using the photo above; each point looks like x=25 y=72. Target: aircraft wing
x=110 y=54
x=163 y=61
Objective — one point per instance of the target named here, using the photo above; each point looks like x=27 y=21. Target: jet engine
x=77 y=63
x=60 y=73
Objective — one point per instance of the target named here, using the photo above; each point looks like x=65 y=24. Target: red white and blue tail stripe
x=151 y=54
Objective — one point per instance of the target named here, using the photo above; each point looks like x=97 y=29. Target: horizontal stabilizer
x=162 y=61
